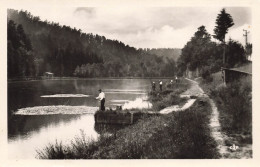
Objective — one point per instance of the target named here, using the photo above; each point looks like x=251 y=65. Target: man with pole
x=101 y=97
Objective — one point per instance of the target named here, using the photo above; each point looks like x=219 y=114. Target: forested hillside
x=165 y=52
x=67 y=51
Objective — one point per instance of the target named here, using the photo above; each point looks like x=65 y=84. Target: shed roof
x=247 y=68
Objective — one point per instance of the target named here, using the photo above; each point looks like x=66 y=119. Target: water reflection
x=24 y=125
x=25 y=143
x=28 y=133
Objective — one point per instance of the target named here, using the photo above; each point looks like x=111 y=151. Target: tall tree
x=194 y=53
x=223 y=22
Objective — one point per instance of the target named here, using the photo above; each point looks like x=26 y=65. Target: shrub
x=235 y=105
x=206 y=74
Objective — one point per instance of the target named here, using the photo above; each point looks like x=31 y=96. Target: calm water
x=27 y=133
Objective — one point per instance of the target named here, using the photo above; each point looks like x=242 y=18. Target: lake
x=28 y=133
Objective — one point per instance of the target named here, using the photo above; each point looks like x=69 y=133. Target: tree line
x=206 y=56
x=20 y=54
x=67 y=51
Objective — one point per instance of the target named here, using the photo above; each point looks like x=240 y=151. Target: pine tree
x=223 y=22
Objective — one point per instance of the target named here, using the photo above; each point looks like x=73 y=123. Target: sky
x=147 y=27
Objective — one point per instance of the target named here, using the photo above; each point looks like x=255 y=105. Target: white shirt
x=161 y=83
x=101 y=96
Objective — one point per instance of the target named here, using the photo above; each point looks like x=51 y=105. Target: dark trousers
x=161 y=87
x=102 y=105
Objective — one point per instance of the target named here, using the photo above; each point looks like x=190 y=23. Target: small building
x=232 y=74
x=48 y=75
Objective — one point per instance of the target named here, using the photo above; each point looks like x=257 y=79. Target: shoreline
x=13 y=80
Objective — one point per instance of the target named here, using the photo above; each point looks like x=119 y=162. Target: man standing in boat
x=101 y=97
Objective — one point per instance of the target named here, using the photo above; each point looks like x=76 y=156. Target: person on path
x=153 y=86
x=176 y=79
x=171 y=83
x=101 y=97
x=160 y=83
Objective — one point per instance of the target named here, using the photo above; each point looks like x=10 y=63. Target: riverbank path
x=193 y=91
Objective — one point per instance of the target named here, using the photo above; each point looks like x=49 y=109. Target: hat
x=100 y=90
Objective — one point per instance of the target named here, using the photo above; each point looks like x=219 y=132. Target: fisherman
x=160 y=83
x=153 y=86
x=101 y=97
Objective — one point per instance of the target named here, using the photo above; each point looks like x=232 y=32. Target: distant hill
x=172 y=53
x=67 y=51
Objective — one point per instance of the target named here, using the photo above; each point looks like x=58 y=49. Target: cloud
x=151 y=27
x=88 y=12
x=240 y=15
x=145 y=27
x=166 y=36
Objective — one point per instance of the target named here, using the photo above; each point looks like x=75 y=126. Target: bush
x=206 y=74
x=235 y=105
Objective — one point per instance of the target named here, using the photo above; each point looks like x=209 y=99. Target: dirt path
x=194 y=90
x=214 y=125
x=215 y=128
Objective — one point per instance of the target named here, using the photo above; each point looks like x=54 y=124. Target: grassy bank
x=234 y=102
x=169 y=96
x=173 y=136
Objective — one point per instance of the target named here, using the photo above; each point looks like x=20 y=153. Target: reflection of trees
x=22 y=124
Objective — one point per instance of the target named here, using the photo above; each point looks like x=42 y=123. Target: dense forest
x=205 y=56
x=20 y=53
x=165 y=52
x=36 y=46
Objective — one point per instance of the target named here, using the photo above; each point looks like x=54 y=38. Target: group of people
x=161 y=84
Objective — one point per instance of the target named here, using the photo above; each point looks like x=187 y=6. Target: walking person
x=171 y=83
x=153 y=86
x=160 y=83
x=176 y=79
x=101 y=97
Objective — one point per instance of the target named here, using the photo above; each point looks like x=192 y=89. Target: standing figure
x=101 y=97
x=176 y=79
x=153 y=86
x=160 y=83
x=171 y=83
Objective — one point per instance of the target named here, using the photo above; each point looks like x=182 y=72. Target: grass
x=180 y=135
x=234 y=102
